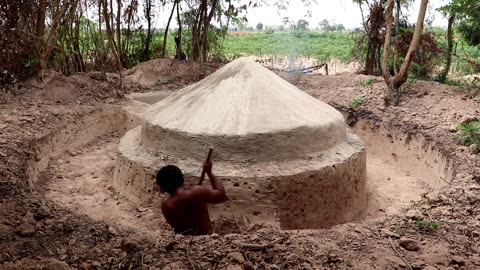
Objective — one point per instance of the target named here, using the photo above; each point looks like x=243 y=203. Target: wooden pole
x=209 y=157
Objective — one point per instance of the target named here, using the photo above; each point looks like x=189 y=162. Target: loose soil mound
x=158 y=72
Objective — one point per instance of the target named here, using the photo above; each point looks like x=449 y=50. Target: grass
x=428 y=225
x=368 y=82
x=357 y=101
x=469 y=134
x=322 y=46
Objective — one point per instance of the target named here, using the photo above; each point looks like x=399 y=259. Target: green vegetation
x=461 y=54
x=427 y=225
x=318 y=45
x=357 y=101
x=469 y=133
x=368 y=82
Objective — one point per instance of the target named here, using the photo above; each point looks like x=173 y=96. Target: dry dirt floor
x=58 y=210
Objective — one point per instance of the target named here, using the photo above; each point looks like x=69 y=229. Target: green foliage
x=306 y=44
x=462 y=50
x=469 y=134
x=471 y=31
x=427 y=225
x=269 y=31
x=357 y=101
x=326 y=26
x=29 y=66
x=468 y=14
x=429 y=55
x=368 y=82
x=302 y=24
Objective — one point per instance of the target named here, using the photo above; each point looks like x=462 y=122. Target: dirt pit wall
x=253 y=201
x=412 y=152
x=318 y=191
x=73 y=136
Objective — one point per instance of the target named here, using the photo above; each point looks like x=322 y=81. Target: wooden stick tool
x=209 y=157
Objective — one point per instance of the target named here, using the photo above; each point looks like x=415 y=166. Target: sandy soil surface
x=71 y=218
x=81 y=181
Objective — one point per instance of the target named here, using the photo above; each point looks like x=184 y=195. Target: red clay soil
x=441 y=230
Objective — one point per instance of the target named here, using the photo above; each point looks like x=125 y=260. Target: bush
x=469 y=134
x=269 y=31
x=428 y=57
x=16 y=47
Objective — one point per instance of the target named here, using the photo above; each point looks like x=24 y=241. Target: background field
x=323 y=46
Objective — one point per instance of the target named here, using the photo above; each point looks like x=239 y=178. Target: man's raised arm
x=214 y=195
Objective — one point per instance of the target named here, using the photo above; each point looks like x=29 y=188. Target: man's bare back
x=186 y=209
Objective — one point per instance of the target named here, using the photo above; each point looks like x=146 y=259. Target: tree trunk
x=48 y=45
x=42 y=11
x=165 y=35
x=148 y=40
x=179 y=47
x=111 y=42
x=397 y=32
x=443 y=76
x=76 y=44
x=395 y=82
x=102 y=53
x=119 y=42
x=373 y=28
x=206 y=26
x=386 y=48
x=197 y=25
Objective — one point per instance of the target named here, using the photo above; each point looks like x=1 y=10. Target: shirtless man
x=186 y=209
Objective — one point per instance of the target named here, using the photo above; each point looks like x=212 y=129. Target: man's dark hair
x=169 y=178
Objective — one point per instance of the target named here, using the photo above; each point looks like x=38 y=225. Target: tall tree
x=395 y=82
x=111 y=44
x=442 y=77
x=179 y=51
x=165 y=34
x=372 y=25
x=147 y=10
x=47 y=41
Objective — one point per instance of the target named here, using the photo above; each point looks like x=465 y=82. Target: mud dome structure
x=265 y=131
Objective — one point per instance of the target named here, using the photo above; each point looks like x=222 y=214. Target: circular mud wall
x=317 y=191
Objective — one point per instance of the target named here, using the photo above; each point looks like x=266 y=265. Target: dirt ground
x=424 y=187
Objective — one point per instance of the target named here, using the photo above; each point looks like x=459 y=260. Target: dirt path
x=390 y=188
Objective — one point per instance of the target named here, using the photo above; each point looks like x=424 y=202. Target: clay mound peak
x=243 y=98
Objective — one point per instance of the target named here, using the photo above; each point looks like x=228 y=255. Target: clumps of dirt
x=164 y=72
x=443 y=229
x=78 y=89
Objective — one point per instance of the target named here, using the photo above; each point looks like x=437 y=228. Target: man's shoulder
x=199 y=192
x=192 y=194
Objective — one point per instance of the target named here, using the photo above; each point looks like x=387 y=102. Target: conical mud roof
x=245 y=111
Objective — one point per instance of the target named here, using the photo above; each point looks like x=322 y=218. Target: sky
x=338 y=11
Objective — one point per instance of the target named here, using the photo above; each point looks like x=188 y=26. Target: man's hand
x=214 y=195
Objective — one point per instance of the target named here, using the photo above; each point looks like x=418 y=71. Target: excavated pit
x=75 y=167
